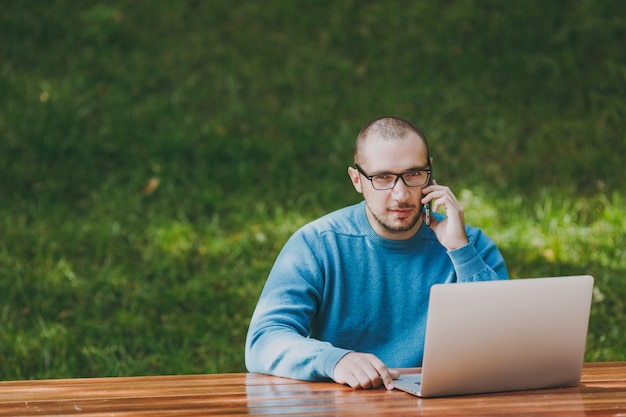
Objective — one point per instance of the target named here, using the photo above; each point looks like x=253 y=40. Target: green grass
x=245 y=113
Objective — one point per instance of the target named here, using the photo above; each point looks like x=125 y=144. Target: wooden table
x=602 y=391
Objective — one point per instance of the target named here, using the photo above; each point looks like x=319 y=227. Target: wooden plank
x=602 y=390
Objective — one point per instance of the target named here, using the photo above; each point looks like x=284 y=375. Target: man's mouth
x=402 y=212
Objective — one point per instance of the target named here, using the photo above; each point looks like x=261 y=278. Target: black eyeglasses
x=411 y=178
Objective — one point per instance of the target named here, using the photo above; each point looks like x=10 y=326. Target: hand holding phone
x=450 y=230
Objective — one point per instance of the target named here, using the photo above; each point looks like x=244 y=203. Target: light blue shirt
x=338 y=287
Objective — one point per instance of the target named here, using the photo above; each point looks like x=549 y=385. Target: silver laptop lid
x=505 y=335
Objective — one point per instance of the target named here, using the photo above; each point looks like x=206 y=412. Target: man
x=348 y=295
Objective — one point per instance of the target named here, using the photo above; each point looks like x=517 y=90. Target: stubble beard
x=392 y=228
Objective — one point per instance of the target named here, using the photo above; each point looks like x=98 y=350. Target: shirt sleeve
x=479 y=260
x=278 y=341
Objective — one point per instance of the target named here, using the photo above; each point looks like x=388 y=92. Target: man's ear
x=355 y=178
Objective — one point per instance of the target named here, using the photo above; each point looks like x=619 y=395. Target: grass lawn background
x=155 y=156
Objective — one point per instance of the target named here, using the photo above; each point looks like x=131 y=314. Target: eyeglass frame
x=428 y=171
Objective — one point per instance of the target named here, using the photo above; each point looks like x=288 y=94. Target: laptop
x=496 y=336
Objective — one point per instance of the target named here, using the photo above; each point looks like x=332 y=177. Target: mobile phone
x=428 y=206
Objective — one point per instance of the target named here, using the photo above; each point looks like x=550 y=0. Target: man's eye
x=415 y=173
x=382 y=177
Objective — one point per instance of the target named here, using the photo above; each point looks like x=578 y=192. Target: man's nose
x=400 y=190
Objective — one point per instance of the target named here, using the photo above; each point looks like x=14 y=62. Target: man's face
x=395 y=213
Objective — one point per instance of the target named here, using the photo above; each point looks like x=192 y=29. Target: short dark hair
x=389 y=127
